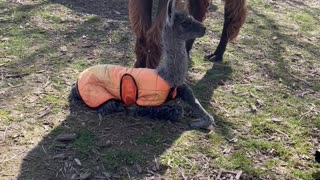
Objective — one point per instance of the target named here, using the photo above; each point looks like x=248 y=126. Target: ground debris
x=139 y=169
x=63 y=49
x=44 y=112
x=74 y=176
x=59 y=156
x=67 y=137
x=105 y=144
x=85 y=175
x=107 y=175
x=253 y=108
x=225 y=174
x=78 y=161
x=276 y=120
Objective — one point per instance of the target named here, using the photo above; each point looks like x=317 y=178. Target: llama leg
x=198 y=10
x=186 y=94
x=141 y=53
x=218 y=54
x=140 y=19
x=110 y=107
x=235 y=13
x=153 y=37
x=164 y=112
x=74 y=94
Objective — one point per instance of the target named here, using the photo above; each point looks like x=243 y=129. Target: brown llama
x=148 y=47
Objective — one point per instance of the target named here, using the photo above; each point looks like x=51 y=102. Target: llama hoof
x=204 y=123
x=213 y=58
x=317 y=156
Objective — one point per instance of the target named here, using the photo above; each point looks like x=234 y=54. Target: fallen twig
x=47 y=83
x=16 y=75
x=302 y=80
x=281 y=133
x=5 y=133
x=67 y=137
x=44 y=150
x=219 y=174
x=238 y=174
x=304 y=114
x=132 y=125
x=46 y=111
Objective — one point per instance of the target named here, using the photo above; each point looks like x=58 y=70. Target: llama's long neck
x=174 y=63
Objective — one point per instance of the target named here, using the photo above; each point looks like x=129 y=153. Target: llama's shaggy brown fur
x=148 y=48
x=236 y=11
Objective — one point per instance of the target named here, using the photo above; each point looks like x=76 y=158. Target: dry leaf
x=63 y=49
x=67 y=137
x=253 y=108
x=107 y=175
x=117 y=12
x=74 y=176
x=85 y=175
x=77 y=161
x=139 y=168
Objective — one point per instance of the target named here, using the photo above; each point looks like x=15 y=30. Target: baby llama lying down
x=145 y=92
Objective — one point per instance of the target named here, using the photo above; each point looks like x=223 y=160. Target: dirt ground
x=265 y=97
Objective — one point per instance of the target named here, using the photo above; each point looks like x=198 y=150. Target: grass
x=273 y=67
x=115 y=159
x=85 y=142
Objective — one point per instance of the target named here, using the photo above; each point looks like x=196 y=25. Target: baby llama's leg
x=112 y=106
x=164 y=112
x=186 y=94
x=109 y=107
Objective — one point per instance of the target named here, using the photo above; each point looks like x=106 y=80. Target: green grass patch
x=114 y=159
x=238 y=160
x=55 y=100
x=154 y=138
x=85 y=142
x=265 y=147
x=6 y=117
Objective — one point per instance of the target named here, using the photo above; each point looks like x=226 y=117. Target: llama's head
x=182 y=25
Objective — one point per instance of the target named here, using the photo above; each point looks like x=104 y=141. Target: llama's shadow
x=115 y=145
x=316 y=175
x=204 y=91
x=116 y=10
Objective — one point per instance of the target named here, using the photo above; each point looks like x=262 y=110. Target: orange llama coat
x=144 y=87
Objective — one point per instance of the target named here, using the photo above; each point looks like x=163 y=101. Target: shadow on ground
x=111 y=9
x=115 y=145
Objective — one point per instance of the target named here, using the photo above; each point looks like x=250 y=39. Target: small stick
x=238 y=175
x=128 y=173
x=44 y=150
x=46 y=111
x=47 y=83
x=219 y=174
x=281 y=133
x=100 y=118
x=5 y=133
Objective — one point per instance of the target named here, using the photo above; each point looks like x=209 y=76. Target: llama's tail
x=236 y=12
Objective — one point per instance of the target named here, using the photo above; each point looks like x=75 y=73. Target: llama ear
x=170 y=12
